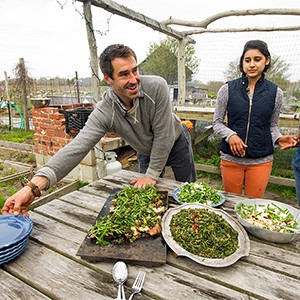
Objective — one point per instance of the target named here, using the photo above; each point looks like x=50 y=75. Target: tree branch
x=216 y=30
x=232 y=13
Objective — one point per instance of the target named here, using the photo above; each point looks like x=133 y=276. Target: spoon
x=120 y=275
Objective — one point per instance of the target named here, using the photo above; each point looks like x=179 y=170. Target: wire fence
x=216 y=52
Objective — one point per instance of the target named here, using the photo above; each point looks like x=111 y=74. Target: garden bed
x=13 y=174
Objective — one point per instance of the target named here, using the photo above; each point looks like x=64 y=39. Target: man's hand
x=237 y=146
x=18 y=203
x=142 y=182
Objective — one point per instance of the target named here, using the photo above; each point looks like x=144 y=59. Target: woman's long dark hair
x=259 y=45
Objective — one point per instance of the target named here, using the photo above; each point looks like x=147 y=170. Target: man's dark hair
x=111 y=52
x=259 y=45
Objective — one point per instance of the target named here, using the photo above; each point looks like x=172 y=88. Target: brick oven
x=51 y=135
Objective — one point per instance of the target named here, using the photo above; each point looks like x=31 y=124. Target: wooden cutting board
x=144 y=251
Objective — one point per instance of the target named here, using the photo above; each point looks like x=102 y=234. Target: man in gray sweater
x=138 y=109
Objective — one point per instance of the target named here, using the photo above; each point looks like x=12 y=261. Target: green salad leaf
x=269 y=216
x=134 y=213
x=204 y=233
x=199 y=192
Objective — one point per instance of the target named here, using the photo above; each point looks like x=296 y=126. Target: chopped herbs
x=199 y=192
x=204 y=233
x=134 y=213
x=269 y=216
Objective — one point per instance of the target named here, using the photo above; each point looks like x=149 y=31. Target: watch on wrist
x=34 y=189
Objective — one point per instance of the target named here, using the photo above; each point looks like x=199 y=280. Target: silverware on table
x=120 y=275
x=138 y=284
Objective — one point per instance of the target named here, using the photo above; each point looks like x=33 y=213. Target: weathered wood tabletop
x=50 y=269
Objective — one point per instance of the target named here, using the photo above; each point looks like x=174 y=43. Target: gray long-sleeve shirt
x=221 y=129
x=149 y=127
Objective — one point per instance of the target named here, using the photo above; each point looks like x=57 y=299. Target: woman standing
x=252 y=105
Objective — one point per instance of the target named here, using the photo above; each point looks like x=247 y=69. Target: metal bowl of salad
x=200 y=192
x=269 y=220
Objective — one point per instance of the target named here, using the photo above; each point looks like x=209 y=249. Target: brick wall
x=50 y=136
x=50 y=128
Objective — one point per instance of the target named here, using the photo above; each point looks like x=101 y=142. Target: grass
x=16 y=135
x=7 y=171
x=287 y=192
x=2 y=200
x=81 y=184
x=7 y=190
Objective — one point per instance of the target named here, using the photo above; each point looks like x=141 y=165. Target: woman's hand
x=287 y=141
x=237 y=146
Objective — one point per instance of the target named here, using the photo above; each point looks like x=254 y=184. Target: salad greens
x=134 y=213
x=204 y=233
x=269 y=216
x=199 y=192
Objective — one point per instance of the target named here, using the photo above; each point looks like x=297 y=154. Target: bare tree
x=278 y=73
x=23 y=84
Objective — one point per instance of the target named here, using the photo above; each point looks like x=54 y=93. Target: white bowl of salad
x=269 y=220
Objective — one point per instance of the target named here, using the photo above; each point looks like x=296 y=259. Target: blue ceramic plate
x=175 y=195
x=10 y=256
x=13 y=230
x=14 y=248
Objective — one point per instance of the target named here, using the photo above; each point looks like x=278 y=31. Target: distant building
x=192 y=94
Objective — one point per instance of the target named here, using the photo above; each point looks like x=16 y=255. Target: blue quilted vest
x=259 y=140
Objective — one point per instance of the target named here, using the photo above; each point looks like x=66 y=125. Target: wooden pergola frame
x=183 y=37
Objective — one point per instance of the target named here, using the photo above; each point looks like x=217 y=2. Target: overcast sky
x=51 y=35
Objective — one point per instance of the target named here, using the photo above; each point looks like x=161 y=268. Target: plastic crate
x=75 y=120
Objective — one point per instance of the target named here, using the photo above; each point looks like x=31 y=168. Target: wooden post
x=93 y=50
x=10 y=124
x=24 y=93
x=77 y=86
x=181 y=71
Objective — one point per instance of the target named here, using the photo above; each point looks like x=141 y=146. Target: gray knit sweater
x=149 y=127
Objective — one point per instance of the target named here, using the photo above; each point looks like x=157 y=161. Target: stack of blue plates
x=14 y=236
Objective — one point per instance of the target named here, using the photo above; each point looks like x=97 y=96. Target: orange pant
x=254 y=177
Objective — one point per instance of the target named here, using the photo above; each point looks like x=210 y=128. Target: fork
x=138 y=284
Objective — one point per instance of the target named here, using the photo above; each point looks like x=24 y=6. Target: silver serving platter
x=265 y=234
x=243 y=239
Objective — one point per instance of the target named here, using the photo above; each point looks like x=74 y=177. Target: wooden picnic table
x=50 y=269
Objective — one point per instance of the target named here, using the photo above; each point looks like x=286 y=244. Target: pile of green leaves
x=132 y=212
x=199 y=192
x=204 y=233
